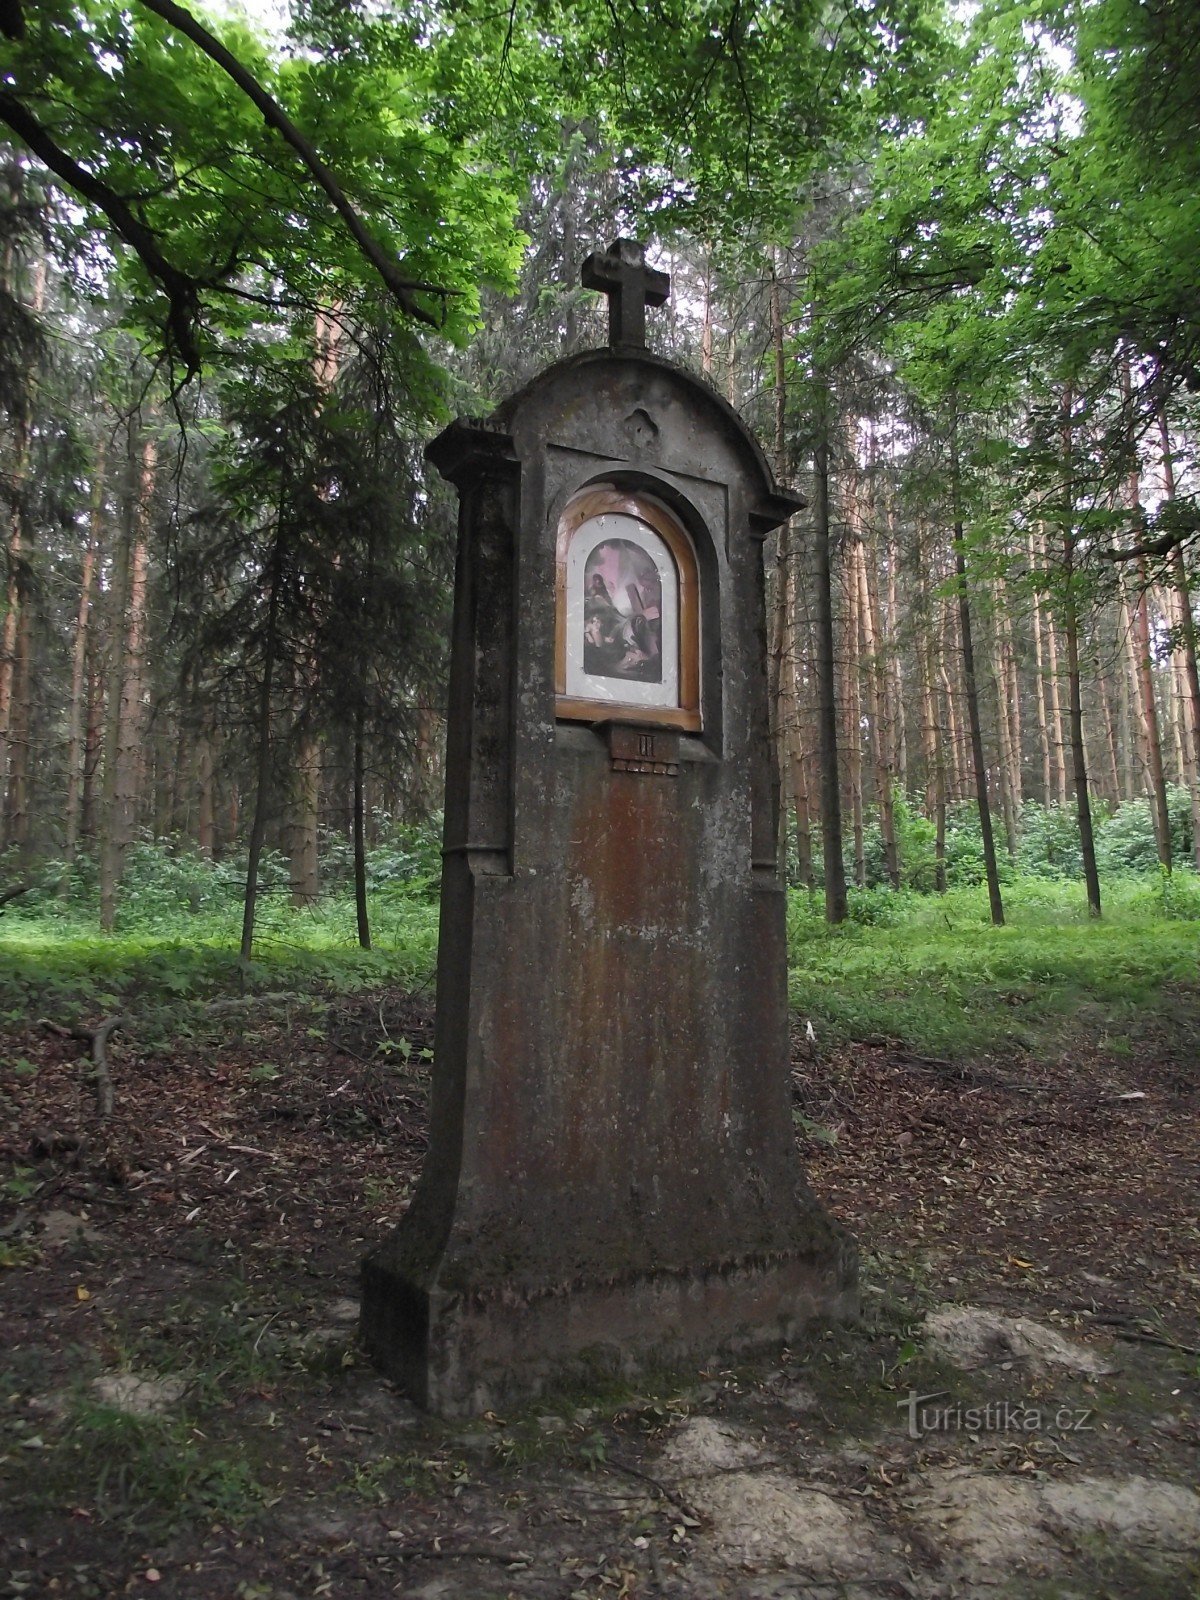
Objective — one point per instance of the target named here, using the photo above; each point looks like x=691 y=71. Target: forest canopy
x=943 y=258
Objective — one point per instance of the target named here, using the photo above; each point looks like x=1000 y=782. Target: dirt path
x=186 y=1415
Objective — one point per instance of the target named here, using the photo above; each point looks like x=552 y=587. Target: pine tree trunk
x=20 y=735
x=1155 y=774
x=206 y=809
x=112 y=842
x=8 y=650
x=179 y=780
x=957 y=785
x=831 y=800
x=302 y=848
x=262 y=769
x=1079 y=759
x=1187 y=642
x=1087 y=842
x=1039 y=699
x=1128 y=697
x=14 y=606
x=1145 y=663
x=969 y=686
x=130 y=762
x=935 y=772
x=797 y=764
x=79 y=651
x=16 y=638
x=93 y=738
x=883 y=737
x=1058 y=737
x=1188 y=760
x=932 y=747
x=894 y=690
x=853 y=736
x=1109 y=728
x=1008 y=804
x=1011 y=704
x=788 y=743
x=360 y=837
x=880 y=730
x=1175 y=688
x=778 y=588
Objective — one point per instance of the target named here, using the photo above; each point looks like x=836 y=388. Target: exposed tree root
x=96 y=1040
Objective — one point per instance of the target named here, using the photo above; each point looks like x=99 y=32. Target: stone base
x=459 y=1354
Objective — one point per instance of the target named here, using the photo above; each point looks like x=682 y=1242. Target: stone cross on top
x=621 y=273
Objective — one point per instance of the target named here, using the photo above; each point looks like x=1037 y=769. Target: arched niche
x=627 y=621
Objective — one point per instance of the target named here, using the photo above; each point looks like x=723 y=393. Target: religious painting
x=627 y=637
x=622 y=613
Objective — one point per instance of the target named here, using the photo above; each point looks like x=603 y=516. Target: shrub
x=964 y=846
x=409 y=857
x=1125 y=840
x=1048 y=844
x=916 y=842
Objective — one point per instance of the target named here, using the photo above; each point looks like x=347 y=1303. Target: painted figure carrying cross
x=621 y=273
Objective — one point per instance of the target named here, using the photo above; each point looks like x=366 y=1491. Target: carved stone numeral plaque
x=654 y=753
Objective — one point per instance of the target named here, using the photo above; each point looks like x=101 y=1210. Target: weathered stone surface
x=970 y=1337
x=998 y=1524
x=701 y=1446
x=769 y=1519
x=64 y=1227
x=1139 y=1511
x=612 y=1174
x=139 y=1394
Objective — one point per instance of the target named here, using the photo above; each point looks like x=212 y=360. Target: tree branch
x=97 y=1041
x=1151 y=547
x=274 y=115
x=183 y=299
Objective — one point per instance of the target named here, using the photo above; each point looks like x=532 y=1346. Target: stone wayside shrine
x=612 y=1176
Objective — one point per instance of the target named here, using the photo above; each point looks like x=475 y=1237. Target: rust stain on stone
x=637 y=961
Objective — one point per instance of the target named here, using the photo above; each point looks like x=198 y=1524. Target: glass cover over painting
x=622 y=622
x=622 y=613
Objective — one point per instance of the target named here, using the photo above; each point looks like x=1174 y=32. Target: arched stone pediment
x=647 y=408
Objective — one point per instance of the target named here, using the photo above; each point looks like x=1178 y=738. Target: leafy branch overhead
x=202 y=154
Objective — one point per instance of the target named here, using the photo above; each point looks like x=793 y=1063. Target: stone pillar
x=612 y=1175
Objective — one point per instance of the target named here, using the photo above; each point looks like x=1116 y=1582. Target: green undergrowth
x=151 y=1475
x=61 y=963
x=927 y=971
x=198 y=1460
x=933 y=974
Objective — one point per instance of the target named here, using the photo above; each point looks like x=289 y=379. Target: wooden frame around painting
x=627 y=619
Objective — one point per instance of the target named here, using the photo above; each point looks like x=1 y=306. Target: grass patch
x=63 y=965
x=928 y=971
x=145 y=1474
x=934 y=974
x=195 y=1463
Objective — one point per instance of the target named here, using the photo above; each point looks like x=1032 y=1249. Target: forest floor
x=186 y=1413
